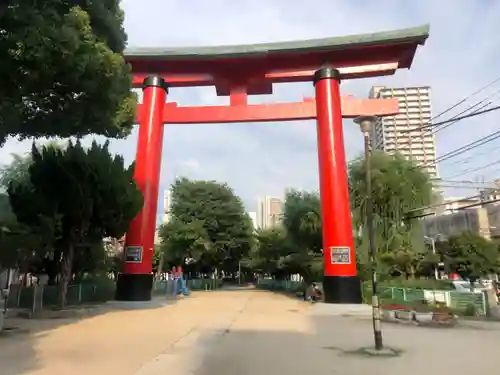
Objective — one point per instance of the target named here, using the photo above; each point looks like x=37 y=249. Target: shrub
x=470 y=310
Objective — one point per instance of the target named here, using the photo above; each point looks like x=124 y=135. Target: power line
x=478 y=113
x=476 y=169
x=468 y=158
x=481 y=105
x=444 y=124
x=462 y=182
x=439 y=128
x=443 y=204
x=473 y=187
x=455 y=209
x=460 y=102
x=467 y=147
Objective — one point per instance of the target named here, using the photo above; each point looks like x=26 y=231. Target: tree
x=302 y=222
x=78 y=197
x=62 y=71
x=470 y=255
x=19 y=246
x=302 y=219
x=399 y=187
x=17 y=170
x=267 y=256
x=209 y=224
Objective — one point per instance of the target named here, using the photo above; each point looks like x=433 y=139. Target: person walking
x=179 y=282
x=182 y=282
x=171 y=277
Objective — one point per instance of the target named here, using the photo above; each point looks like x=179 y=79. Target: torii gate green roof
x=415 y=35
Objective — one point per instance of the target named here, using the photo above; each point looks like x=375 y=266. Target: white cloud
x=461 y=55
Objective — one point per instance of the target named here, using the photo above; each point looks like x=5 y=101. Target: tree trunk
x=54 y=267
x=412 y=272
x=66 y=272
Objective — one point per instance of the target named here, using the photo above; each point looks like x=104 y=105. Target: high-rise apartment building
x=167 y=202
x=253 y=217
x=403 y=133
x=269 y=211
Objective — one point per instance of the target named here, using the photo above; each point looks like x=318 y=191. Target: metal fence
x=279 y=285
x=455 y=300
x=166 y=287
x=38 y=296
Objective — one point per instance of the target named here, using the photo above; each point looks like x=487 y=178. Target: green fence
x=456 y=300
x=460 y=301
x=279 y=285
x=47 y=295
x=167 y=287
x=398 y=294
x=36 y=297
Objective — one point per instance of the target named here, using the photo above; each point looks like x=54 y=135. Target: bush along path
x=421 y=312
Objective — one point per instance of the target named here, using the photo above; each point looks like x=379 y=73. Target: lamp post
x=433 y=245
x=366 y=123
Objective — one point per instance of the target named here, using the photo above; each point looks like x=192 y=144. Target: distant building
x=157 y=240
x=269 y=212
x=253 y=216
x=167 y=203
x=406 y=133
x=457 y=216
x=452 y=204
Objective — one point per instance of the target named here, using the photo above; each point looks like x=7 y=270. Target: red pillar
x=136 y=281
x=340 y=284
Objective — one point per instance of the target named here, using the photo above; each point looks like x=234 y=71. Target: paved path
x=243 y=332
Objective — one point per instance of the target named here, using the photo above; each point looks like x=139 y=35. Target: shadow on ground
x=18 y=343
x=333 y=347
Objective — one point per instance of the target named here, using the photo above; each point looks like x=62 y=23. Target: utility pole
x=366 y=123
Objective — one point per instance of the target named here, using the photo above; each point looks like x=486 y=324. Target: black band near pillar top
x=155 y=81
x=342 y=289
x=134 y=287
x=326 y=73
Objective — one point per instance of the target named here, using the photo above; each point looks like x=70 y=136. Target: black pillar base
x=342 y=289
x=134 y=287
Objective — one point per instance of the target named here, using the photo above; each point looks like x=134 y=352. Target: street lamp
x=433 y=245
x=366 y=123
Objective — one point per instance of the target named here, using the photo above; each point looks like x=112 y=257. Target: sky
x=461 y=56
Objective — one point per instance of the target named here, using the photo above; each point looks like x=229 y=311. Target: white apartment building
x=403 y=133
x=253 y=217
x=167 y=202
x=269 y=210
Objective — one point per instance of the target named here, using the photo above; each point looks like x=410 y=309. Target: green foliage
x=271 y=248
x=294 y=248
x=73 y=199
x=184 y=239
x=470 y=310
x=208 y=224
x=302 y=220
x=62 y=71
x=398 y=187
x=470 y=255
x=19 y=246
x=17 y=170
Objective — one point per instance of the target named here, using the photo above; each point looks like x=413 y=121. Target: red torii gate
x=239 y=71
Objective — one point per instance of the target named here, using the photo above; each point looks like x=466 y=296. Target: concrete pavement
x=241 y=332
